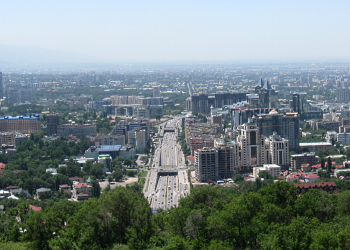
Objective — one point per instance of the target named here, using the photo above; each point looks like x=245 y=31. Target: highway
x=168 y=180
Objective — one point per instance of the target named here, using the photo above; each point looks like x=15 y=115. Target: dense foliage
x=269 y=216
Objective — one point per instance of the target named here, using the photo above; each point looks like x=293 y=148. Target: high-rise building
x=201 y=102
x=206 y=164
x=250 y=149
x=20 y=95
x=343 y=94
x=251 y=146
x=228 y=157
x=279 y=150
x=268 y=97
x=53 y=120
x=156 y=92
x=299 y=103
x=287 y=126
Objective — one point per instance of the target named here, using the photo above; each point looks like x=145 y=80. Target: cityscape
x=162 y=125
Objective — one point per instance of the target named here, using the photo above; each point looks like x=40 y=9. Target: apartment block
x=20 y=124
x=206 y=162
x=298 y=159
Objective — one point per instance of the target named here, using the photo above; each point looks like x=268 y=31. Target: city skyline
x=224 y=31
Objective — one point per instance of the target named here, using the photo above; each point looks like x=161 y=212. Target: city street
x=168 y=180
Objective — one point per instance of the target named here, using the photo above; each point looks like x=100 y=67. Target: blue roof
x=34 y=117
x=109 y=148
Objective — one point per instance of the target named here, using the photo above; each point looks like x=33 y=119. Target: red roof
x=35 y=208
x=11 y=187
x=80 y=185
x=316 y=185
x=76 y=178
x=316 y=166
x=191 y=157
x=312 y=176
x=2 y=167
x=82 y=195
x=339 y=166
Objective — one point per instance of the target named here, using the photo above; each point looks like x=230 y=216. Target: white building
x=278 y=150
x=272 y=169
x=342 y=138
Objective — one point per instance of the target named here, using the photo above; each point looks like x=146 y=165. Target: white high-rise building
x=249 y=150
x=278 y=150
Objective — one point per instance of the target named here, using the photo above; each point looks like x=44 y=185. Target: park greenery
x=253 y=215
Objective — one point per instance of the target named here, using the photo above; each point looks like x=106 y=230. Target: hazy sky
x=169 y=31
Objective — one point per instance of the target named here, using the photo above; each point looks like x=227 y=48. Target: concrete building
x=268 y=97
x=287 y=126
x=272 y=169
x=201 y=102
x=206 y=162
x=279 y=150
x=240 y=115
x=127 y=152
x=53 y=120
x=20 y=124
x=298 y=159
x=122 y=127
x=76 y=130
x=342 y=138
x=228 y=157
x=251 y=143
x=12 y=138
x=102 y=139
x=106 y=160
x=15 y=96
x=314 y=146
x=343 y=94
x=112 y=150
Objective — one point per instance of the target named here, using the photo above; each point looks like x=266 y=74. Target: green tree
x=95 y=189
x=117 y=175
x=329 y=165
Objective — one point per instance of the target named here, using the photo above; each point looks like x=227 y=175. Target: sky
x=111 y=31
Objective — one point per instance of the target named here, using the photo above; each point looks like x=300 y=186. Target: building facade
x=53 y=120
x=76 y=130
x=20 y=124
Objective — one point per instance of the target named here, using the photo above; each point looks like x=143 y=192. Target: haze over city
x=173 y=31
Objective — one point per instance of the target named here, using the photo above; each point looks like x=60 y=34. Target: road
x=168 y=180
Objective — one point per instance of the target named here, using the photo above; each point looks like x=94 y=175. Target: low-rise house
x=76 y=179
x=311 y=178
x=81 y=191
x=42 y=191
x=17 y=191
x=65 y=188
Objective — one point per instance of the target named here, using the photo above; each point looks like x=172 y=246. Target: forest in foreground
x=273 y=217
